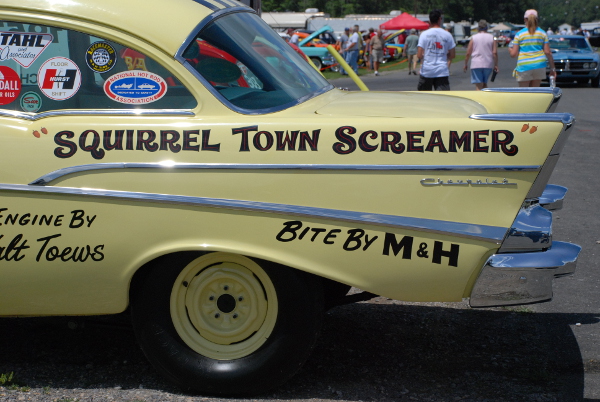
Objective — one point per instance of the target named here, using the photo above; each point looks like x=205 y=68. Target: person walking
x=410 y=49
x=377 y=50
x=435 y=48
x=483 y=52
x=532 y=47
x=352 y=48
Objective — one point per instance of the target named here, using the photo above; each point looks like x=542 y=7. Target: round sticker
x=10 y=85
x=59 y=78
x=135 y=87
x=31 y=102
x=101 y=57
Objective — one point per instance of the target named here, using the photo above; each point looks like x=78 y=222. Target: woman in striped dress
x=532 y=47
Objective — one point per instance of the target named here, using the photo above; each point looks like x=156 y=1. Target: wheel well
x=331 y=289
x=181 y=257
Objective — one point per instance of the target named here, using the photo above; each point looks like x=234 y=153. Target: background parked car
x=575 y=60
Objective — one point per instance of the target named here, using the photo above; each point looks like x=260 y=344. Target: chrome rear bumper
x=520 y=278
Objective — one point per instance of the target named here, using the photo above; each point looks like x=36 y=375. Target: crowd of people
x=434 y=49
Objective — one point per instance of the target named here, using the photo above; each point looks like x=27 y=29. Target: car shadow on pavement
x=366 y=352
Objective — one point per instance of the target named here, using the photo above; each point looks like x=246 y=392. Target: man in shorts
x=435 y=48
x=377 y=50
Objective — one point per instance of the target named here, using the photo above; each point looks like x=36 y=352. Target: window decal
x=10 y=85
x=23 y=47
x=135 y=87
x=31 y=102
x=59 y=78
x=101 y=57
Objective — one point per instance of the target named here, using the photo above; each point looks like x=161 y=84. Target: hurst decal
x=59 y=78
x=350 y=140
x=390 y=244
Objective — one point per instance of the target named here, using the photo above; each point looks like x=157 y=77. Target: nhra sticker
x=31 y=102
x=10 y=85
x=23 y=47
x=101 y=57
x=59 y=78
x=135 y=87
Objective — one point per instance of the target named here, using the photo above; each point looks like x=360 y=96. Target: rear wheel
x=317 y=62
x=226 y=324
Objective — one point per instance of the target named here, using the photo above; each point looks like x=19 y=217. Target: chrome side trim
x=552 y=197
x=565 y=118
x=520 y=278
x=48 y=178
x=531 y=231
x=107 y=112
x=492 y=234
x=556 y=94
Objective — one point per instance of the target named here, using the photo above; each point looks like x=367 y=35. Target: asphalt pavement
x=576 y=298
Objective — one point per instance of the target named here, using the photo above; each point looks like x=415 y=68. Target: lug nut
x=217 y=315
x=240 y=298
x=211 y=298
x=226 y=287
x=235 y=316
x=185 y=284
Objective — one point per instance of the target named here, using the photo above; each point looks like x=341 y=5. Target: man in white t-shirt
x=435 y=49
x=352 y=48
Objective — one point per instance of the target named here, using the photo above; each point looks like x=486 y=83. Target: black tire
x=595 y=82
x=582 y=81
x=279 y=354
x=317 y=62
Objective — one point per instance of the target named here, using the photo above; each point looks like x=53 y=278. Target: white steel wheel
x=223 y=306
x=224 y=324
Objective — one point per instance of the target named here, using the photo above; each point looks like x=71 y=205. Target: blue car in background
x=575 y=60
x=319 y=55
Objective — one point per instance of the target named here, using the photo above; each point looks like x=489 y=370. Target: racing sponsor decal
x=59 y=78
x=390 y=244
x=49 y=247
x=23 y=47
x=31 y=102
x=101 y=57
x=135 y=87
x=10 y=85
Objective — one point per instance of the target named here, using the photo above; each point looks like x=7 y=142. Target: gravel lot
x=381 y=350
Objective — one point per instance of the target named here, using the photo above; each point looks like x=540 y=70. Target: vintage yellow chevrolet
x=179 y=161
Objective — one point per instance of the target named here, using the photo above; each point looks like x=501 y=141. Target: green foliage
x=552 y=12
x=6 y=379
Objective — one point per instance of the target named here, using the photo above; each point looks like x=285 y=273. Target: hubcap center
x=226 y=303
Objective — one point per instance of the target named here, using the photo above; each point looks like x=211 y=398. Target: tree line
x=552 y=12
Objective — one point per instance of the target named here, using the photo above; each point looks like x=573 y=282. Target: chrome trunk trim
x=169 y=166
x=567 y=119
x=521 y=278
x=493 y=234
x=531 y=231
x=556 y=94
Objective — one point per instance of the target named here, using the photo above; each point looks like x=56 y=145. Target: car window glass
x=568 y=43
x=250 y=66
x=44 y=68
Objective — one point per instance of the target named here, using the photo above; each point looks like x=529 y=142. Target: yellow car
x=180 y=161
